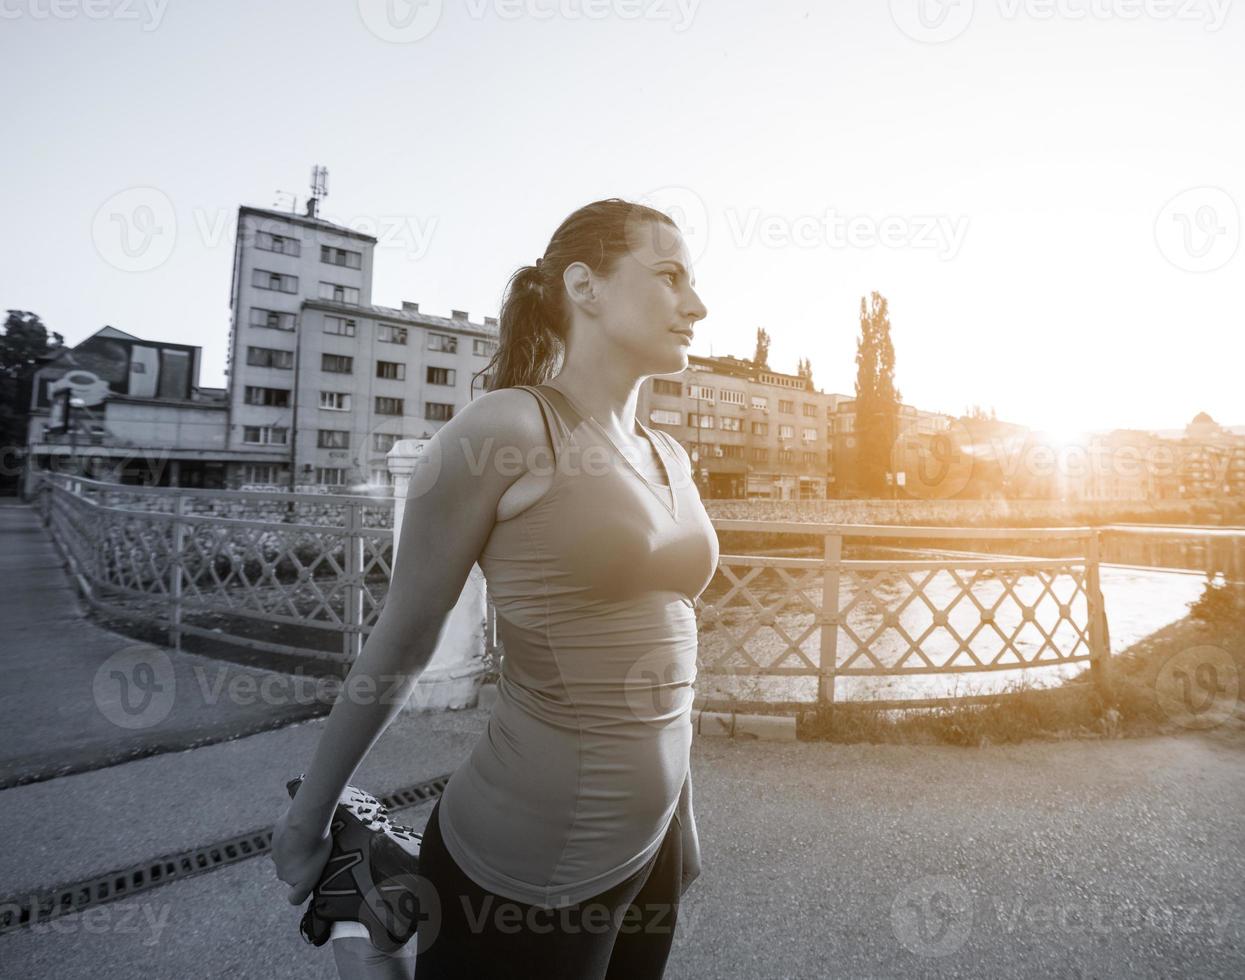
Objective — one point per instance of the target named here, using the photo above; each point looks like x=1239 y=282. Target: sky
x=1047 y=192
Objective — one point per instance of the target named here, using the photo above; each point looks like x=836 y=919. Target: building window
x=661 y=387
x=730 y=397
x=847 y=423
x=786 y=432
x=663 y=416
x=264 y=279
x=760 y=455
x=265 y=435
x=388 y=406
x=271 y=319
x=731 y=424
x=269 y=397
x=390 y=335
x=830 y=459
x=760 y=403
x=269 y=242
x=270 y=357
x=808 y=435
x=336 y=363
x=733 y=452
x=440 y=376
x=263 y=474
x=810 y=410
x=333 y=439
x=382 y=442
x=340 y=325
x=438 y=411
x=830 y=412
x=443 y=342
x=810 y=459
x=391 y=370
x=786 y=405
x=379 y=476
x=330 y=476
x=484 y=348
x=829 y=433
x=786 y=456
x=700 y=392
x=700 y=421
x=760 y=428
x=339 y=293
x=341 y=256
x=335 y=401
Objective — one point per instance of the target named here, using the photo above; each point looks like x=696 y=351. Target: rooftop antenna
x=319 y=189
x=293 y=200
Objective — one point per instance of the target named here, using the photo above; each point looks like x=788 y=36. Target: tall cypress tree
x=877 y=399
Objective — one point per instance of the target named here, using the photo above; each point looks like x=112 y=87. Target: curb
x=780 y=728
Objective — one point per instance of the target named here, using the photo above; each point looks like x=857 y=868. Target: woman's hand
x=691 y=849
x=299 y=854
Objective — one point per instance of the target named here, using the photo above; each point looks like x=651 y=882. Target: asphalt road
x=1071 y=859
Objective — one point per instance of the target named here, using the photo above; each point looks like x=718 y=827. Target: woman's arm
x=450 y=511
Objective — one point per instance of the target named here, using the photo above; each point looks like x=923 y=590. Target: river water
x=1138 y=602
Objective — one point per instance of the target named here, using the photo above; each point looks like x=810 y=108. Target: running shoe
x=370 y=875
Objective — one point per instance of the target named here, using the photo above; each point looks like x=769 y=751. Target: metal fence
x=313 y=567
x=313 y=570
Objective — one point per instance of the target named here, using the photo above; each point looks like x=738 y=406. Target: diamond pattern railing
x=174 y=562
x=830 y=618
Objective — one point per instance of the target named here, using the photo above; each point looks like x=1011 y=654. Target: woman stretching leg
x=563 y=844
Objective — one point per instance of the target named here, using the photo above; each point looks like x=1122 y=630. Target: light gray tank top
x=576 y=779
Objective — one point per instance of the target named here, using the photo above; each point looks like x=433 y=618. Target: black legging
x=624 y=932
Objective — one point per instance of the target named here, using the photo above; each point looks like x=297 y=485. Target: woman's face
x=649 y=304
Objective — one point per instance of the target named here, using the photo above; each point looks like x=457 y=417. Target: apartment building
x=320 y=374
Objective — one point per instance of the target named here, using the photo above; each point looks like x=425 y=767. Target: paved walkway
x=1089 y=859
x=76 y=696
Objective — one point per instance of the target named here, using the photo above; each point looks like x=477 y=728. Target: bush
x=1220 y=604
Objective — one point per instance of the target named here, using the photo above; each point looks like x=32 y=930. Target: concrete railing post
x=452 y=678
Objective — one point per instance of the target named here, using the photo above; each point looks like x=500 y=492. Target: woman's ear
x=581 y=284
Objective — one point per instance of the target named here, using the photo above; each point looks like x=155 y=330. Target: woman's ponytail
x=533 y=324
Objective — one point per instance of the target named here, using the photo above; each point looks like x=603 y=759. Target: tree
x=761 y=357
x=25 y=343
x=805 y=371
x=877 y=399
